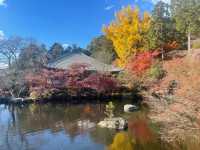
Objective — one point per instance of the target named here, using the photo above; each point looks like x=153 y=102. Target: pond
x=70 y=127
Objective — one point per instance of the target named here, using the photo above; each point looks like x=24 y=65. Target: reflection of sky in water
x=15 y=136
x=4 y=121
x=61 y=141
x=4 y=115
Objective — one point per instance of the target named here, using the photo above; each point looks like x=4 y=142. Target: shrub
x=141 y=62
x=156 y=71
x=101 y=83
x=110 y=110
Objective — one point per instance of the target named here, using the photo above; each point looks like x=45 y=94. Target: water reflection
x=141 y=135
x=63 y=127
x=40 y=127
x=122 y=141
x=139 y=129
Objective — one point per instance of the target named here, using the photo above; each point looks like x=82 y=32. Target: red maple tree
x=142 y=61
x=76 y=79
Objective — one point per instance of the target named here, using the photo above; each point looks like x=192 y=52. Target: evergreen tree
x=102 y=49
x=55 y=51
x=187 y=16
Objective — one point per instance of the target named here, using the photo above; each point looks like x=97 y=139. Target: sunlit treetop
x=127 y=32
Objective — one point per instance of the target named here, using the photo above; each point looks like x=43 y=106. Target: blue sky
x=64 y=21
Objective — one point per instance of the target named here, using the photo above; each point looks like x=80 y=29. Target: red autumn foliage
x=75 y=75
x=99 y=82
x=140 y=130
x=142 y=61
x=76 y=78
x=171 y=46
x=46 y=80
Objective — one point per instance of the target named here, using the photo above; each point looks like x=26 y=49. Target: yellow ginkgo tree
x=128 y=33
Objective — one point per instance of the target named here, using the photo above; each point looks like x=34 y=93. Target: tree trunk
x=189 y=42
x=9 y=63
x=162 y=51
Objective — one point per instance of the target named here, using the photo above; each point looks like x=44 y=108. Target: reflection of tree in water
x=122 y=141
x=58 y=117
x=141 y=130
x=18 y=139
x=102 y=135
x=128 y=141
x=140 y=136
x=34 y=121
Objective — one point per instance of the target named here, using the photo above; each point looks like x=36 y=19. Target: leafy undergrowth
x=179 y=111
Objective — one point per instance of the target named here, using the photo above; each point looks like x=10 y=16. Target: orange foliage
x=171 y=46
x=87 y=109
x=141 y=62
x=140 y=130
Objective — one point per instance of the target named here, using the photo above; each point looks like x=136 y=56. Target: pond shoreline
x=72 y=99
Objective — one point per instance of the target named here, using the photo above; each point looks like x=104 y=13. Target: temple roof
x=65 y=62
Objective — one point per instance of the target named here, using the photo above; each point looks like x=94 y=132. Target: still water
x=69 y=127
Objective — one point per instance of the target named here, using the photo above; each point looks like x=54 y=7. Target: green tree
x=55 y=51
x=102 y=49
x=163 y=30
x=187 y=16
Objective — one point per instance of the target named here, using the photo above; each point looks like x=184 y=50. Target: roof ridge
x=83 y=58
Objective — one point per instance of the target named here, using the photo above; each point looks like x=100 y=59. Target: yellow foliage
x=34 y=95
x=122 y=142
x=128 y=33
x=33 y=108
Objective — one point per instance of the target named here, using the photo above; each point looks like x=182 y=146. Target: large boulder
x=130 y=108
x=113 y=123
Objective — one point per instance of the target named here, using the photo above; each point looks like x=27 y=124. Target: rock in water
x=85 y=124
x=113 y=123
x=130 y=108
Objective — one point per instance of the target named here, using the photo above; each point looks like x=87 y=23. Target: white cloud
x=109 y=7
x=3 y=65
x=65 y=45
x=166 y=1
x=3 y=3
x=2 y=35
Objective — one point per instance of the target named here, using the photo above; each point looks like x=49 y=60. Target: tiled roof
x=81 y=58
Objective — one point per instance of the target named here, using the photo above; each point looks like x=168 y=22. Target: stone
x=130 y=108
x=22 y=101
x=113 y=123
x=16 y=100
x=85 y=124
